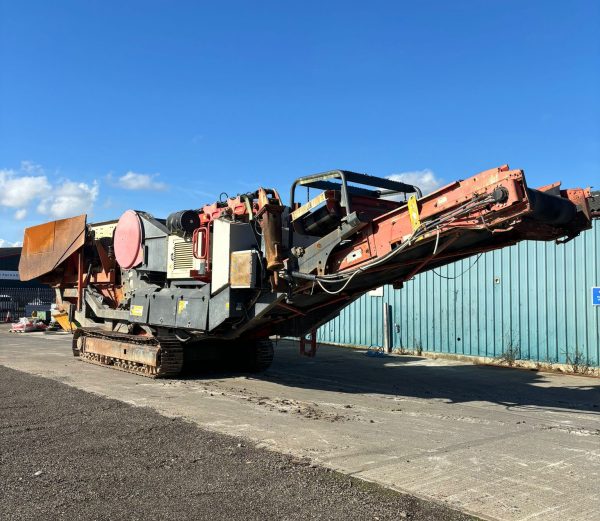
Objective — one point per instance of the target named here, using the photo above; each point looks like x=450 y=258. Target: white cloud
x=8 y=244
x=425 y=179
x=21 y=188
x=69 y=199
x=17 y=190
x=134 y=181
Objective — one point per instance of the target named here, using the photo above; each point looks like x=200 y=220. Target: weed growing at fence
x=511 y=353
x=579 y=362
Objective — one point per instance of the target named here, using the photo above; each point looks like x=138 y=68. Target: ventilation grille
x=183 y=258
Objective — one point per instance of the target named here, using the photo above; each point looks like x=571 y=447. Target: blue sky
x=162 y=105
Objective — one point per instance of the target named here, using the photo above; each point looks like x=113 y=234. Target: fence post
x=387 y=342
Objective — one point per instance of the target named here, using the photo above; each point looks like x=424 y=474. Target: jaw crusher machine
x=145 y=294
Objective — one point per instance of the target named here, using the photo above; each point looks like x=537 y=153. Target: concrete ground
x=71 y=455
x=499 y=443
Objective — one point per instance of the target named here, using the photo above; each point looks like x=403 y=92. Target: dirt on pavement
x=69 y=454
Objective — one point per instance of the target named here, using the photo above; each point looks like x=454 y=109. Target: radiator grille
x=183 y=258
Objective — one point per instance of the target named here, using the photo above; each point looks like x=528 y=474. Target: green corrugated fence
x=534 y=297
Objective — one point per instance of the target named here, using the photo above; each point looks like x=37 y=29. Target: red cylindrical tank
x=128 y=240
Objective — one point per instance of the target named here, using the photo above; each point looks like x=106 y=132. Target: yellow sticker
x=413 y=212
x=309 y=206
x=181 y=305
x=136 y=311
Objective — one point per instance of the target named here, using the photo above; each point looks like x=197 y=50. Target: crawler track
x=153 y=357
x=263 y=356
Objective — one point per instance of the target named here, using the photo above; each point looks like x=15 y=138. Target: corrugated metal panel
x=534 y=295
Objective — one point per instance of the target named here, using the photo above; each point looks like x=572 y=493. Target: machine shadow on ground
x=337 y=369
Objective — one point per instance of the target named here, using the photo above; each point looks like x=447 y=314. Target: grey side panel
x=226 y=304
x=192 y=310
x=140 y=304
x=172 y=307
x=163 y=308
x=155 y=253
x=155 y=244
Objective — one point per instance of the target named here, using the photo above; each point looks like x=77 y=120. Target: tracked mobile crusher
x=148 y=294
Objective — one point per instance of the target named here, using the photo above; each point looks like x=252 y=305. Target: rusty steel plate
x=122 y=350
x=47 y=245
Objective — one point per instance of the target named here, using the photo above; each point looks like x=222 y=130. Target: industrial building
x=17 y=296
x=531 y=301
